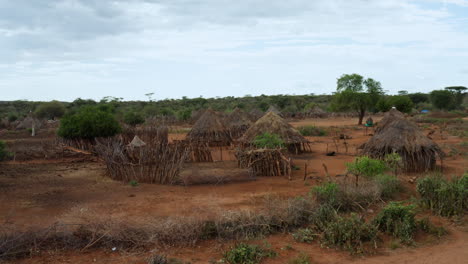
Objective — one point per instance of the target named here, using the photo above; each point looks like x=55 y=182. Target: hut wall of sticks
x=274 y=124
x=150 y=134
x=396 y=134
x=210 y=129
x=264 y=162
x=159 y=162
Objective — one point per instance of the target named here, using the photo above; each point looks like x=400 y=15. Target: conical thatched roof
x=137 y=142
x=255 y=114
x=209 y=128
x=395 y=133
x=28 y=123
x=316 y=112
x=274 y=110
x=237 y=118
x=273 y=124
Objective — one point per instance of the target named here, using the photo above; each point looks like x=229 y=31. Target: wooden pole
x=305 y=171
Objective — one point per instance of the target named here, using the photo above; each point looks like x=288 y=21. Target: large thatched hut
x=395 y=134
x=274 y=124
x=237 y=123
x=210 y=129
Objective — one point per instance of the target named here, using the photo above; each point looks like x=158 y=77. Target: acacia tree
x=356 y=94
x=458 y=93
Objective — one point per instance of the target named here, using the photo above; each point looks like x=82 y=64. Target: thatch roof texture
x=316 y=112
x=396 y=134
x=274 y=124
x=237 y=123
x=274 y=110
x=210 y=129
x=255 y=114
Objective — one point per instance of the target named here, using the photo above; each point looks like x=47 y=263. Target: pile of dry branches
x=150 y=134
x=264 y=162
x=156 y=163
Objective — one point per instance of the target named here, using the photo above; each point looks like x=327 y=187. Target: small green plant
x=393 y=162
x=350 y=233
x=133 y=118
x=295 y=167
x=327 y=193
x=305 y=235
x=366 y=167
x=4 y=154
x=389 y=185
x=426 y=226
x=395 y=244
x=443 y=197
x=133 y=183
x=288 y=247
x=267 y=140
x=312 y=131
x=323 y=215
x=247 y=254
x=398 y=220
x=303 y=258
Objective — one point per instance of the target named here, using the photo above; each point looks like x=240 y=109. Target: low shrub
x=312 y=131
x=389 y=185
x=267 y=140
x=305 y=235
x=4 y=154
x=350 y=233
x=444 y=197
x=426 y=226
x=322 y=216
x=327 y=193
x=303 y=258
x=366 y=167
x=133 y=118
x=398 y=220
x=247 y=254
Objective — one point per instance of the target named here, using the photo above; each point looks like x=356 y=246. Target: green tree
x=88 y=123
x=133 y=118
x=418 y=98
x=402 y=103
x=458 y=93
x=442 y=99
x=50 y=110
x=351 y=94
x=3 y=151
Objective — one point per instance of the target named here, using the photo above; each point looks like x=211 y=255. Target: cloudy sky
x=64 y=49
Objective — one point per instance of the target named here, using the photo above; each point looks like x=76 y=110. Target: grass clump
x=444 y=197
x=350 y=233
x=398 y=220
x=389 y=185
x=312 y=131
x=267 y=140
x=305 y=235
x=303 y=258
x=366 y=167
x=247 y=254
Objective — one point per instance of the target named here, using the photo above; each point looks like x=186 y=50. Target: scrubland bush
x=389 y=185
x=132 y=118
x=444 y=197
x=398 y=220
x=312 y=131
x=4 y=154
x=247 y=254
x=303 y=258
x=305 y=235
x=267 y=140
x=366 y=167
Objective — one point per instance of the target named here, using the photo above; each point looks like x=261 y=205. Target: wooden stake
x=305 y=171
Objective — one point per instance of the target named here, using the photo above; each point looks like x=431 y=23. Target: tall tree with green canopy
x=458 y=94
x=442 y=99
x=355 y=93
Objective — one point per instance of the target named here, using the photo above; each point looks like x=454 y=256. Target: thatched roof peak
x=274 y=110
x=237 y=118
x=273 y=124
x=209 y=128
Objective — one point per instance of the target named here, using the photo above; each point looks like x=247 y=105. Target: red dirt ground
x=41 y=192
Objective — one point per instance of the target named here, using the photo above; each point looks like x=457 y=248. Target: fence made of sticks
x=156 y=163
x=264 y=162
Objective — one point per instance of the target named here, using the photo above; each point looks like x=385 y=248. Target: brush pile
x=264 y=162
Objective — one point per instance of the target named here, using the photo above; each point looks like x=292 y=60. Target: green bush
x=267 y=140
x=12 y=117
x=305 y=235
x=303 y=258
x=389 y=185
x=398 y=220
x=312 y=131
x=88 y=123
x=4 y=154
x=327 y=193
x=350 y=233
x=443 y=197
x=133 y=118
x=322 y=216
x=247 y=254
x=366 y=167
x=51 y=110
x=393 y=162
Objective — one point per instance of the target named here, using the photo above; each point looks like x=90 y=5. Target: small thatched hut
x=395 y=134
x=210 y=129
x=237 y=123
x=274 y=124
x=316 y=112
x=255 y=114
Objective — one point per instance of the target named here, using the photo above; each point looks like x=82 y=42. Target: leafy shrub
x=133 y=118
x=88 y=123
x=303 y=258
x=393 y=162
x=312 y=131
x=247 y=254
x=267 y=140
x=50 y=110
x=327 y=193
x=350 y=233
x=445 y=198
x=366 y=167
x=322 y=216
x=12 y=117
x=426 y=226
x=398 y=220
x=305 y=235
x=389 y=185
x=4 y=154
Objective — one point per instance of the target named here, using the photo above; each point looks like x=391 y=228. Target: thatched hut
x=210 y=129
x=395 y=134
x=274 y=110
x=316 y=112
x=237 y=123
x=255 y=114
x=274 y=124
